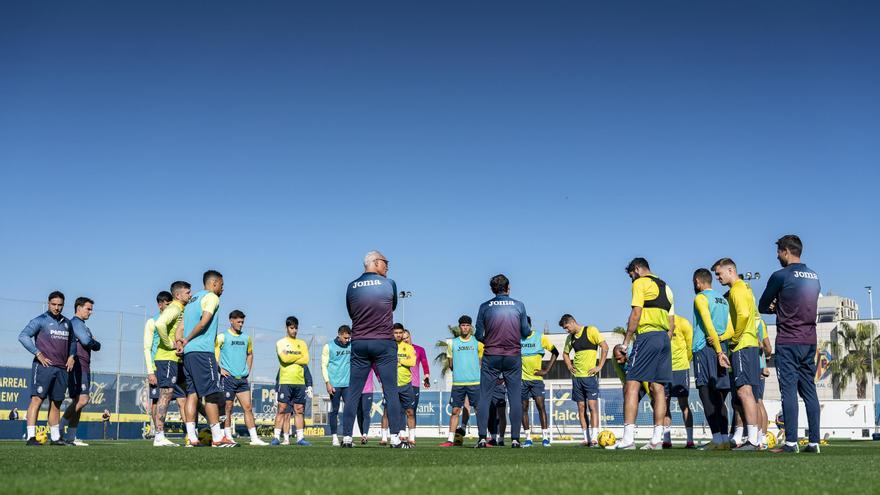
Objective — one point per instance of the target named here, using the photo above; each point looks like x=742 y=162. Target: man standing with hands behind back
x=792 y=294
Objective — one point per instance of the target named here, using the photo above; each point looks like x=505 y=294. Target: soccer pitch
x=137 y=467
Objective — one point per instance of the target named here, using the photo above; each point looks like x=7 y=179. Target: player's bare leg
x=659 y=403
x=527 y=434
x=299 y=421
x=582 y=417
x=750 y=415
x=630 y=411
x=545 y=424
x=32 y=412
x=161 y=412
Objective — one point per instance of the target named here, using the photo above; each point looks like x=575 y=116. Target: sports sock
x=629 y=433
x=791 y=444
x=228 y=432
x=335 y=437
x=450 y=437
x=191 y=431
x=395 y=439
x=592 y=433
x=667 y=434
x=346 y=439
x=737 y=434
x=527 y=434
x=216 y=432
x=300 y=434
x=55 y=432
x=277 y=433
x=160 y=436
x=811 y=444
x=31 y=431
x=253 y=433
x=753 y=434
x=658 y=434
x=498 y=437
x=385 y=434
x=287 y=437
x=765 y=439
x=545 y=434
x=690 y=434
x=586 y=436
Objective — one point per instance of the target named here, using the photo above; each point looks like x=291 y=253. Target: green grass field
x=137 y=467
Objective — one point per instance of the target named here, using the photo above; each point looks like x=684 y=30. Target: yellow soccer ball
x=606 y=438
x=803 y=442
x=42 y=437
x=771 y=440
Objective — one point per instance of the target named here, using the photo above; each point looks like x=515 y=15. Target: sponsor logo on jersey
x=365 y=283
x=502 y=303
x=809 y=275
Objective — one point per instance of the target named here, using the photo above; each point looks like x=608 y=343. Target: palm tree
x=443 y=345
x=619 y=331
x=851 y=357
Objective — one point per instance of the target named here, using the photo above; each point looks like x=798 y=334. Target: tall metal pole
x=871 y=354
x=118 y=374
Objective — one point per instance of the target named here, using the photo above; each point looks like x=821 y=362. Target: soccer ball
x=606 y=438
x=205 y=437
x=42 y=437
x=771 y=440
x=803 y=442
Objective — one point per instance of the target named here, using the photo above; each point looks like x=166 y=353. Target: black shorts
x=79 y=381
x=651 y=358
x=233 y=386
x=292 y=394
x=202 y=373
x=584 y=388
x=680 y=384
x=48 y=381
x=405 y=395
x=532 y=389
x=459 y=392
x=169 y=374
x=746 y=367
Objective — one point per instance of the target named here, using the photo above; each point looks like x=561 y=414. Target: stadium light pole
x=144 y=307
x=118 y=374
x=749 y=276
x=871 y=354
x=404 y=295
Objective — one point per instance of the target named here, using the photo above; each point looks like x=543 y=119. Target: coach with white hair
x=371 y=300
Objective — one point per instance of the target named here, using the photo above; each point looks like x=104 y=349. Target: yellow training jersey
x=742 y=312
x=682 y=344
x=293 y=354
x=655 y=298
x=406 y=359
x=149 y=331
x=585 y=344
x=166 y=326
x=532 y=363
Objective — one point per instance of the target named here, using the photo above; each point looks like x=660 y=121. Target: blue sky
x=549 y=141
